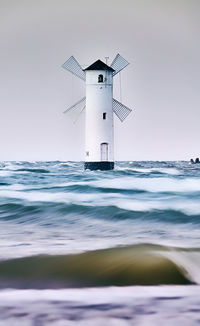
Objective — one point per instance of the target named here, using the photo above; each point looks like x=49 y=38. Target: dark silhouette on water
x=194 y=162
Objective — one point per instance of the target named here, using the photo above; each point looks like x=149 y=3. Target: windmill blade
x=73 y=66
x=77 y=105
x=118 y=64
x=78 y=116
x=120 y=110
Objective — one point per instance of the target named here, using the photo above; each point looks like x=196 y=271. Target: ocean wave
x=121 y=185
x=144 y=264
x=111 y=206
x=56 y=197
x=151 y=184
x=143 y=170
x=187 y=207
x=4 y=173
x=14 y=186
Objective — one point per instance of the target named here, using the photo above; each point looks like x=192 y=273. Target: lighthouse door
x=104 y=151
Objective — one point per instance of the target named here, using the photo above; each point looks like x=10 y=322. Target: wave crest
x=144 y=264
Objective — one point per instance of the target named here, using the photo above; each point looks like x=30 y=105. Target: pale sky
x=160 y=39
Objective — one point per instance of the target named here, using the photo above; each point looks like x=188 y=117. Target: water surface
x=92 y=247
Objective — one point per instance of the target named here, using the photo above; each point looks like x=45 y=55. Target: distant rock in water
x=194 y=162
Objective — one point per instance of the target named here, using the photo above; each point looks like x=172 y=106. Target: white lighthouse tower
x=100 y=106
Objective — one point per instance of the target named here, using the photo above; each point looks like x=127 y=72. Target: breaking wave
x=59 y=212
x=144 y=264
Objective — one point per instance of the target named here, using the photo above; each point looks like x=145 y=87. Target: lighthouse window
x=100 y=79
x=104 y=116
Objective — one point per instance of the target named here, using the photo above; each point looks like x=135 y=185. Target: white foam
x=151 y=184
x=188 y=262
x=133 y=305
x=49 y=197
x=189 y=207
x=99 y=295
x=15 y=186
x=4 y=173
x=146 y=184
x=171 y=171
x=61 y=197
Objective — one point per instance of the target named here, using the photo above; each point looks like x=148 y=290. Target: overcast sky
x=160 y=39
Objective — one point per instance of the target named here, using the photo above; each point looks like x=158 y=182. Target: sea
x=97 y=248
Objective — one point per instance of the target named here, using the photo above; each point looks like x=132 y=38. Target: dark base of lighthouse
x=99 y=166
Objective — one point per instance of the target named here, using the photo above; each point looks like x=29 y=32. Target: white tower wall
x=99 y=144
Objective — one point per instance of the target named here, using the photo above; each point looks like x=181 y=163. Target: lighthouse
x=99 y=106
x=99 y=143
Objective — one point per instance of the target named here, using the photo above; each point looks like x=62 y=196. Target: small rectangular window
x=100 y=79
x=104 y=116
